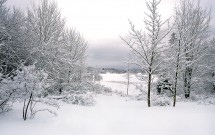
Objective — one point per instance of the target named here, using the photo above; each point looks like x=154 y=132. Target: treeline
x=39 y=57
x=179 y=51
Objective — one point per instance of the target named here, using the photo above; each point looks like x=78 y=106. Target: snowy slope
x=114 y=115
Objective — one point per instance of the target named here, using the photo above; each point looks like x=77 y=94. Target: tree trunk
x=175 y=86
x=128 y=84
x=128 y=75
x=69 y=76
x=187 y=81
x=149 y=89
x=25 y=108
x=176 y=73
x=60 y=91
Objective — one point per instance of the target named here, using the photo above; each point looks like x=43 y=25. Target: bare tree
x=148 y=47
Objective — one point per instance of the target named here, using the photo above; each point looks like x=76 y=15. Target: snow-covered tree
x=75 y=49
x=148 y=46
x=30 y=85
x=206 y=70
x=192 y=33
x=3 y=15
x=173 y=63
x=42 y=38
x=45 y=28
x=12 y=30
x=60 y=52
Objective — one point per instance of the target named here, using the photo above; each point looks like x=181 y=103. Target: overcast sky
x=102 y=22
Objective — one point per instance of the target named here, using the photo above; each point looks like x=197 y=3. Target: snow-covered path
x=113 y=115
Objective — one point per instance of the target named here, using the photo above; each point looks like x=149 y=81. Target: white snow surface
x=118 y=82
x=114 y=115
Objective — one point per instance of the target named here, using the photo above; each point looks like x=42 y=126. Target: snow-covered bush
x=82 y=93
x=80 y=99
x=31 y=86
x=52 y=104
x=161 y=100
x=120 y=93
x=140 y=97
x=7 y=93
x=101 y=89
x=27 y=86
x=207 y=100
x=78 y=93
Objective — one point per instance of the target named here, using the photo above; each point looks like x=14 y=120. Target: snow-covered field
x=118 y=82
x=114 y=115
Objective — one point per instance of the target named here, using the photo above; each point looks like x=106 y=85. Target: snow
x=114 y=115
x=118 y=82
x=114 y=77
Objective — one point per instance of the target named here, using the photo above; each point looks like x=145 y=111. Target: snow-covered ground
x=118 y=82
x=114 y=115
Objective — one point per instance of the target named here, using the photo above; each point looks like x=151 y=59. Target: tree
x=37 y=48
x=206 y=69
x=54 y=45
x=45 y=31
x=174 y=56
x=12 y=30
x=75 y=49
x=192 y=31
x=3 y=15
x=72 y=56
x=13 y=51
x=148 y=47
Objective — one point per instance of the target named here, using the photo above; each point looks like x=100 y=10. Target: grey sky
x=102 y=21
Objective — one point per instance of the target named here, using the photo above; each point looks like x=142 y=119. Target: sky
x=102 y=22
